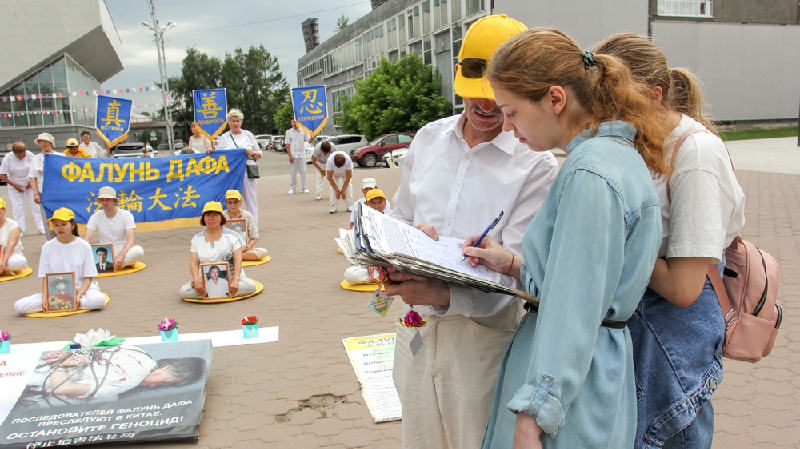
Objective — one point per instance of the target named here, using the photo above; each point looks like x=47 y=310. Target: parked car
x=398 y=156
x=370 y=155
x=277 y=143
x=264 y=140
x=347 y=142
x=309 y=152
x=128 y=150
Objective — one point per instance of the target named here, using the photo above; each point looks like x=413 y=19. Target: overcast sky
x=217 y=27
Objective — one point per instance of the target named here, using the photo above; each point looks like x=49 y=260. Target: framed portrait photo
x=103 y=254
x=239 y=226
x=59 y=294
x=215 y=280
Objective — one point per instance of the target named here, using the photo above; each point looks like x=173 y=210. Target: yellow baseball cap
x=375 y=193
x=482 y=39
x=233 y=194
x=63 y=214
x=2 y=204
x=72 y=142
x=212 y=206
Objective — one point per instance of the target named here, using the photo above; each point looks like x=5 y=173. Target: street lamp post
x=162 y=67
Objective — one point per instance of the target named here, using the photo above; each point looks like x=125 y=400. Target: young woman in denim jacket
x=679 y=328
x=566 y=380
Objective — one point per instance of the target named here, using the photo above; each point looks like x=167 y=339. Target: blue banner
x=161 y=193
x=310 y=108
x=113 y=119
x=210 y=108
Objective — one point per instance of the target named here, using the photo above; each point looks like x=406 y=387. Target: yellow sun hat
x=62 y=214
x=375 y=193
x=72 y=142
x=482 y=39
x=233 y=194
x=2 y=204
x=212 y=206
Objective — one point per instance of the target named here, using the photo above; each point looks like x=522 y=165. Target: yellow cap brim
x=473 y=87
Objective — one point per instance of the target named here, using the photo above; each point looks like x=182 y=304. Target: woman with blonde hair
x=198 y=143
x=678 y=328
x=240 y=138
x=566 y=380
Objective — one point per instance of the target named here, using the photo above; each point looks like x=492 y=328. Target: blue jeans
x=678 y=366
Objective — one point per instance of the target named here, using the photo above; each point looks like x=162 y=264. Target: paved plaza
x=301 y=392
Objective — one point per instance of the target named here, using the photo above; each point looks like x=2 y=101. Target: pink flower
x=5 y=336
x=168 y=324
x=412 y=319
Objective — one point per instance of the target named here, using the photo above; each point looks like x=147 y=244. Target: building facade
x=54 y=54
x=746 y=53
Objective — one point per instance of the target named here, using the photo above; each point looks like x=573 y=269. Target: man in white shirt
x=14 y=170
x=320 y=156
x=116 y=226
x=295 y=141
x=92 y=148
x=459 y=174
x=339 y=169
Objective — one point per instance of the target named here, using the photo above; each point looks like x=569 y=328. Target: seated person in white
x=358 y=274
x=216 y=287
x=234 y=201
x=367 y=184
x=339 y=169
x=66 y=254
x=11 y=258
x=114 y=225
x=216 y=244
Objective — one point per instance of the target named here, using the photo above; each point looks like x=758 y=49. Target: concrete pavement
x=301 y=392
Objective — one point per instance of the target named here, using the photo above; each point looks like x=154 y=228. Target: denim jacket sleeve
x=577 y=282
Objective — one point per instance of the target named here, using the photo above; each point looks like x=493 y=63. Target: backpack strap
x=722 y=293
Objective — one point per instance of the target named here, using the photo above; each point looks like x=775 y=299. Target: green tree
x=341 y=22
x=253 y=81
x=398 y=96
x=283 y=118
x=146 y=137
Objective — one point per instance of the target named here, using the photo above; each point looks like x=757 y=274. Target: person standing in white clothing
x=459 y=174
x=320 y=156
x=116 y=226
x=295 y=141
x=240 y=138
x=339 y=169
x=11 y=257
x=198 y=143
x=45 y=142
x=92 y=148
x=14 y=172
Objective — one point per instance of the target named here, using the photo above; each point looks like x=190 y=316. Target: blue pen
x=491 y=226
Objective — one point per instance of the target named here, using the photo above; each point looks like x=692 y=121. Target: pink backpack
x=747 y=294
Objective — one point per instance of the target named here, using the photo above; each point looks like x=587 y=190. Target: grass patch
x=757 y=134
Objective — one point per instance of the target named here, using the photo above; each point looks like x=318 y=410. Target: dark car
x=128 y=150
x=370 y=155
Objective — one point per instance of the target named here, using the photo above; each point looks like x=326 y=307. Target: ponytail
x=687 y=96
x=537 y=59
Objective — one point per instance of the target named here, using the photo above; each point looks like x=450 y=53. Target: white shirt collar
x=505 y=141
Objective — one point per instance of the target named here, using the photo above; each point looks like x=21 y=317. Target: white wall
x=586 y=21
x=748 y=71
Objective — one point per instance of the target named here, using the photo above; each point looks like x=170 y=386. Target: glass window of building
x=391 y=33
x=426 y=17
x=686 y=8
x=455 y=10
x=401 y=28
x=440 y=14
x=473 y=7
x=428 y=55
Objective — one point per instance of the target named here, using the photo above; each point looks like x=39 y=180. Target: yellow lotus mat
x=138 y=266
x=59 y=314
x=252 y=263
x=369 y=288
x=20 y=274
x=340 y=250
x=259 y=288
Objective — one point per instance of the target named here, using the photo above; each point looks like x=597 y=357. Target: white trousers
x=16 y=262
x=250 y=196
x=92 y=299
x=299 y=165
x=340 y=182
x=446 y=390
x=321 y=181
x=135 y=254
x=260 y=252
x=357 y=275
x=246 y=286
x=18 y=205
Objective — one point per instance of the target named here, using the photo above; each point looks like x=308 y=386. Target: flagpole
x=162 y=68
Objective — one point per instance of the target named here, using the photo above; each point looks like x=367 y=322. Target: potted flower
x=250 y=326
x=169 y=330
x=5 y=342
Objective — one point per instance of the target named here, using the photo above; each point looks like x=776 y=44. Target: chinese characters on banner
x=161 y=193
x=310 y=108
x=210 y=106
x=113 y=119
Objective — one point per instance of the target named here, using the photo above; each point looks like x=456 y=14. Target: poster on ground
x=111 y=394
x=373 y=361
